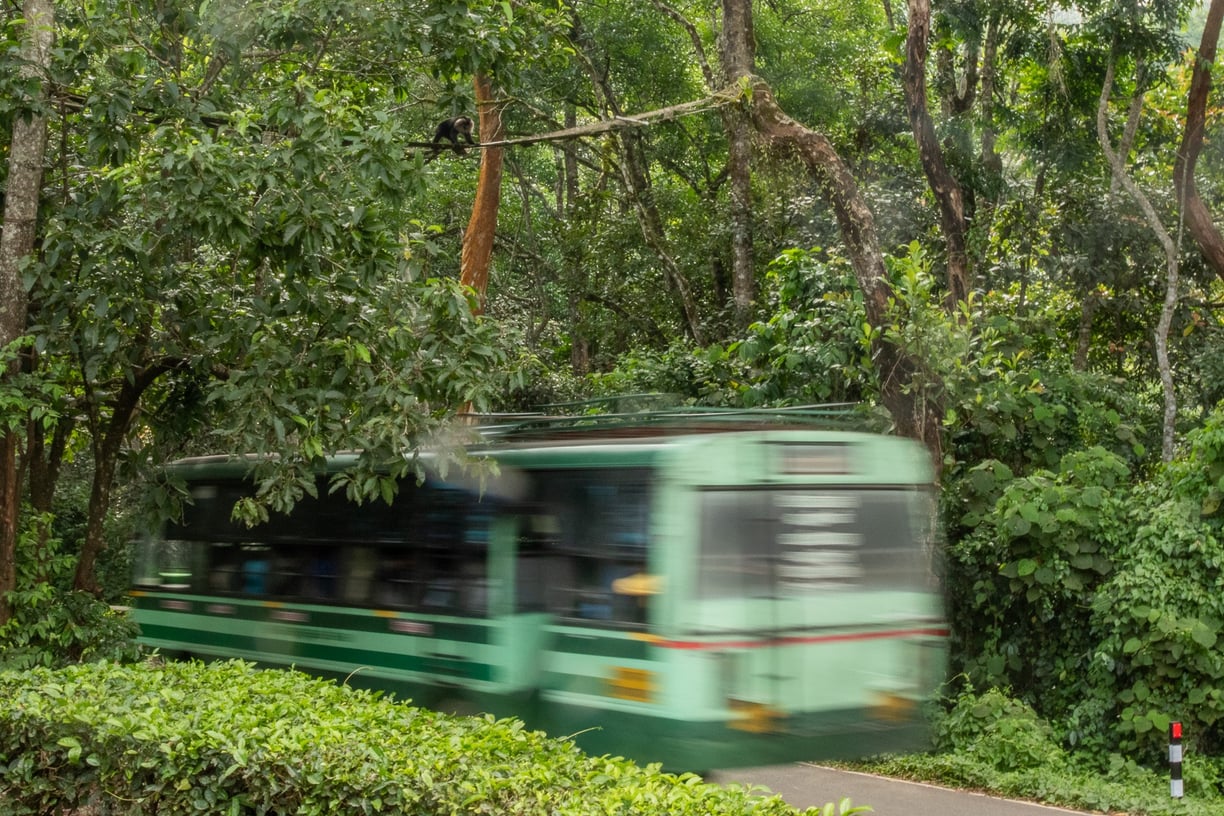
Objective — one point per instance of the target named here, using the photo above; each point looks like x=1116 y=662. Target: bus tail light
x=637 y=685
x=755 y=718
x=888 y=706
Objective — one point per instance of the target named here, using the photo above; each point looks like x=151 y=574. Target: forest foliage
x=240 y=246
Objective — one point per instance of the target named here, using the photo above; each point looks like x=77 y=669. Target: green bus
x=701 y=598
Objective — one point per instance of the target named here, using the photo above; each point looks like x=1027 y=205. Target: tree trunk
x=991 y=159
x=44 y=459
x=738 y=55
x=108 y=441
x=1171 y=261
x=1133 y=115
x=636 y=176
x=478 y=240
x=743 y=270
x=580 y=344
x=27 y=151
x=908 y=389
x=106 y=458
x=947 y=191
x=1194 y=211
x=10 y=503
x=1083 y=341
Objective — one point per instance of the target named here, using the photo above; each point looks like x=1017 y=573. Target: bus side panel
x=467 y=654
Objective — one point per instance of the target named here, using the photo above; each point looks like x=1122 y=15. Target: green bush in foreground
x=226 y=738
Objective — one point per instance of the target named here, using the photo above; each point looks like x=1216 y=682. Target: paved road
x=804 y=785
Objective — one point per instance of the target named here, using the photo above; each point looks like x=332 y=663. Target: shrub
x=999 y=731
x=50 y=627
x=1158 y=617
x=1020 y=584
x=225 y=738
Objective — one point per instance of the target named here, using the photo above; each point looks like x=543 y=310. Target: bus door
x=592 y=567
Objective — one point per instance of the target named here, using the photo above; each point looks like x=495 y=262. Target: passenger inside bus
x=255 y=574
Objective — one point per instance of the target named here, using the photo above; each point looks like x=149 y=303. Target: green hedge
x=182 y=738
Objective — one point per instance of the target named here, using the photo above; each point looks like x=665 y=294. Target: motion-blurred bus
x=699 y=598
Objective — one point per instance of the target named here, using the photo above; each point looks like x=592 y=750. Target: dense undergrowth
x=994 y=743
x=225 y=738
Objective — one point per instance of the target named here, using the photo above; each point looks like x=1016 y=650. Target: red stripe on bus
x=799 y=641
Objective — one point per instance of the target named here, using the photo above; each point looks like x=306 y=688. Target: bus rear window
x=779 y=543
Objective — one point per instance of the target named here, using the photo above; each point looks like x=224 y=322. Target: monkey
x=451 y=129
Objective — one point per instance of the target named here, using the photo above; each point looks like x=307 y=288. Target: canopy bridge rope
x=716 y=100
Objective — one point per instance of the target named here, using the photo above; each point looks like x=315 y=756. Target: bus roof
x=612 y=440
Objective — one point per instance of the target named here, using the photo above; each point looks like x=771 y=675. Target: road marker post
x=1175 y=760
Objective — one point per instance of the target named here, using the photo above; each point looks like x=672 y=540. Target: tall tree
x=916 y=412
x=1119 y=172
x=27 y=153
x=944 y=186
x=736 y=56
x=634 y=167
x=1198 y=217
x=478 y=240
x=251 y=262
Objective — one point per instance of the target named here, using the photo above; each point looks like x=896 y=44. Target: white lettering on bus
x=823 y=538
x=289 y=616
x=820 y=566
x=826 y=519
x=831 y=501
x=408 y=627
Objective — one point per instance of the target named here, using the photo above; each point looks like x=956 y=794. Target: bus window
x=357 y=585
x=255 y=565
x=457 y=586
x=737 y=547
x=790 y=542
x=397 y=582
x=539 y=564
x=597 y=529
x=322 y=574
x=286 y=574
x=224 y=567
x=173 y=565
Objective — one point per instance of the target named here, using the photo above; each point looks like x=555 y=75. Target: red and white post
x=1175 y=760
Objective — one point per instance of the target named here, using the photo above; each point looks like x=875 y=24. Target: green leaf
x=1067 y=515
x=1202 y=634
x=73 y=746
x=1018 y=526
